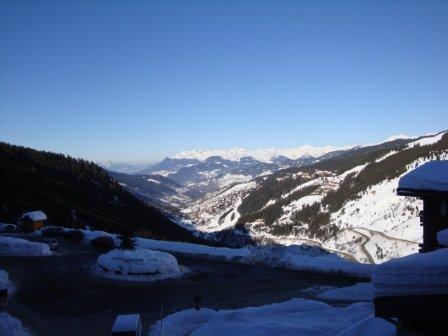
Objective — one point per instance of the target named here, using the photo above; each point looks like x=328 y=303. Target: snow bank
x=416 y=274
x=10 y=326
x=370 y=326
x=442 y=237
x=362 y=291
x=196 y=250
x=294 y=317
x=10 y=246
x=293 y=257
x=4 y=227
x=432 y=176
x=138 y=264
x=307 y=258
x=4 y=280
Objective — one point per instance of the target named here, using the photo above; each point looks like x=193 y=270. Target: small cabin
x=429 y=183
x=127 y=325
x=32 y=221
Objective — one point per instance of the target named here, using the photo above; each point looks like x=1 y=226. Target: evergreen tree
x=127 y=238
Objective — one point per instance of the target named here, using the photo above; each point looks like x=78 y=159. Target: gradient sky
x=139 y=80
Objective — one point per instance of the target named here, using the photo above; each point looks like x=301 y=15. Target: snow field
x=294 y=317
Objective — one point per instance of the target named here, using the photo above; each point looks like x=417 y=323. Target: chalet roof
x=126 y=323
x=35 y=215
x=430 y=179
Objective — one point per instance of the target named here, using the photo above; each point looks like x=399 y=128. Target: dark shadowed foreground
x=61 y=295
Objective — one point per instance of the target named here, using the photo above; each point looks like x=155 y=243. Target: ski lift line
x=82 y=208
x=64 y=198
x=86 y=212
x=65 y=205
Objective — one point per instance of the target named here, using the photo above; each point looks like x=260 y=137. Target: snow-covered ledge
x=10 y=246
x=138 y=265
x=415 y=274
x=442 y=237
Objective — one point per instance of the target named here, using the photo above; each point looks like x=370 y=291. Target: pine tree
x=127 y=238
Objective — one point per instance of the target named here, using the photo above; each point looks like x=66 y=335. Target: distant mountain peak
x=263 y=155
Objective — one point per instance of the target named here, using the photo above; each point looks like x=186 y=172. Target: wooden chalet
x=32 y=221
x=416 y=312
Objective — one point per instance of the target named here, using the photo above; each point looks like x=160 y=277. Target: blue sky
x=139 y=80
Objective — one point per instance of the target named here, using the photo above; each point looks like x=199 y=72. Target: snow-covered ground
x=294 y=317
x=362 y=291
x=138 y=265
x=10 y=326
x=416 y=274
x=10 y=246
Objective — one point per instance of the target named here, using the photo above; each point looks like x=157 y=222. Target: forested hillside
x=346 y=203
x=69 y=190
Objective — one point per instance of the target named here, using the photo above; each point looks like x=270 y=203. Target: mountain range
x=343 y=199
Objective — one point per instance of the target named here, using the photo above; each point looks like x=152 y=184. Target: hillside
x=69 y=189
x=156 y=189
x=345 y=203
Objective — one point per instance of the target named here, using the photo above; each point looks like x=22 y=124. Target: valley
x=342 y=200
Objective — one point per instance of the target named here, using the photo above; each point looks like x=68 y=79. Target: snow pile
x=10 y=246
x=416 y=274
x=4 y=280
x=370 y=326
x=294 y=317
x=138 y=264
x=442 y=237
x=10 y=326
x=4 y=227
x=362 y=291
x=432 y=176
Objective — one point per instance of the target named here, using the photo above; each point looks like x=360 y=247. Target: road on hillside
x=363 y=245
x=61 y=295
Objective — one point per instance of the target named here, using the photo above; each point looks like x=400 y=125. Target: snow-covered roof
x=432 y=177
x=126 y=323
x=35 y=215
x=415 y=274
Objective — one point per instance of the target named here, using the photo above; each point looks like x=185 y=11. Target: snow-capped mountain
x=263 y=155
x=209 y=171
x=122 y=167
x=346 y=203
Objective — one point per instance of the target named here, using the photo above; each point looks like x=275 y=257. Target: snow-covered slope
x=157 y=190
x=347 y=203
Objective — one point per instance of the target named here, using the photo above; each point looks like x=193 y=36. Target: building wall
x=434 y=221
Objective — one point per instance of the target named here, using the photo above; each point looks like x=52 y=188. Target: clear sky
x=139 y=80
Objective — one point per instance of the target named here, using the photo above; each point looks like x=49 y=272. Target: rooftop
x=430 y=178
x=35 y=215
